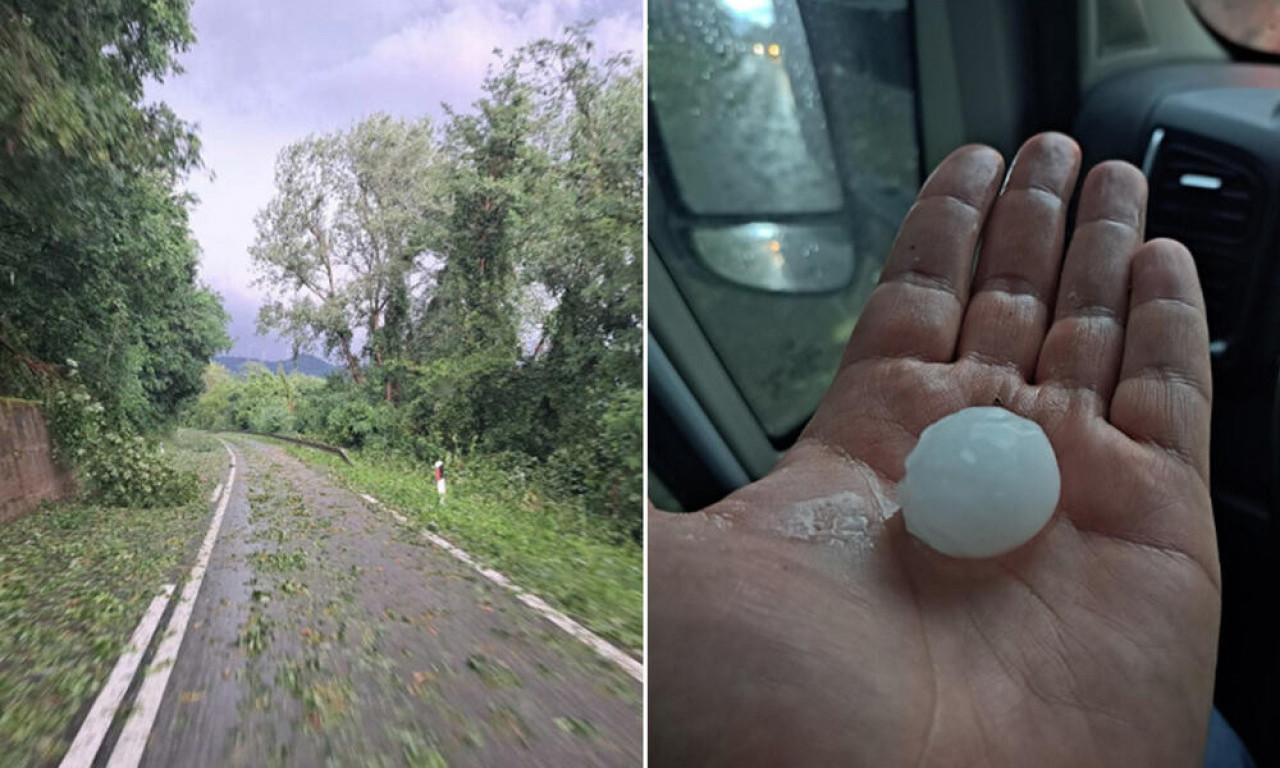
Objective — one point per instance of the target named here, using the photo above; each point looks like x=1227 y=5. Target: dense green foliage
x=260 y=401
x=117 y=467
x=479 y=279
x=97 y=265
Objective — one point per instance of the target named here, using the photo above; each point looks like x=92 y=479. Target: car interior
x=789 y=137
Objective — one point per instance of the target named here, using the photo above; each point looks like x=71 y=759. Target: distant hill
x=308 y=364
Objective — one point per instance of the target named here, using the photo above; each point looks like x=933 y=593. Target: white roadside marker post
x=440 y=488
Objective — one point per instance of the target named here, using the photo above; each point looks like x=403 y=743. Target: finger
x=916 y=309
x=1083 y=347
x=1165 y=390
x=1008 y=312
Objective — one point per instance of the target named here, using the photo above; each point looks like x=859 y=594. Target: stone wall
x=28 y=474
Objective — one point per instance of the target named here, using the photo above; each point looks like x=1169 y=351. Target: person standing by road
x=439 y=469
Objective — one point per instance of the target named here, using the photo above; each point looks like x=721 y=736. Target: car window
x=784 y=152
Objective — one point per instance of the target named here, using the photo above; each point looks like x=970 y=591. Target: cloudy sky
x=263 y=74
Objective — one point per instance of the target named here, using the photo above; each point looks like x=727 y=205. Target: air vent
x=1206 y=194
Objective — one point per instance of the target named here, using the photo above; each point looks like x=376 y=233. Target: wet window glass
x=737 y=99
x=784 y=153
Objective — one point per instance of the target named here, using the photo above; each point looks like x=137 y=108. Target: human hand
x=797 y=623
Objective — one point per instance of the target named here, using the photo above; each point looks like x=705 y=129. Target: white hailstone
x=980 y=483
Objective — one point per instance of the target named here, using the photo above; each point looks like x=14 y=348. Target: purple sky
x=263 y=74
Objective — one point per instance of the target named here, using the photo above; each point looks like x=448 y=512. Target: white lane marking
x=216 y=493
x=399 y=518
x=496 y=577
x=581 y=633
x=586 y=636
x=133 y=739
x=96 y=724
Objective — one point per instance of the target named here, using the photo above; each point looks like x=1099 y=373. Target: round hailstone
x=980 y=482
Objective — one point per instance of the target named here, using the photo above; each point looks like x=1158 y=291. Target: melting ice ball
x=979 y=483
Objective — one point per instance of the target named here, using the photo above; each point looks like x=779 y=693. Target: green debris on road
x=357 y=648
x=553 y=549
x=75 y=578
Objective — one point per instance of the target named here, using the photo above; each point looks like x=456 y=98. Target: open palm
x=797 y=623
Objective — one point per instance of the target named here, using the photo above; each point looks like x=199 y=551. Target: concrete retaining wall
x=28 y=474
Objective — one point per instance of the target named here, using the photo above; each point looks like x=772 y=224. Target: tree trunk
x=352 y=362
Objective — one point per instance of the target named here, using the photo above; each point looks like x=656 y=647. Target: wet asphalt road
x=326 y=634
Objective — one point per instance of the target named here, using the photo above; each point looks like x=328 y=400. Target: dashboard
x=1208 y=138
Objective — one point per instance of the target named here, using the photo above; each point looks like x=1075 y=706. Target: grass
x=553 y=548
x=75 y=579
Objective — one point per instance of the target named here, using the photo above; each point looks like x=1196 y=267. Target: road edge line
x=94 y=729
x=572 y=628
x=137 y=729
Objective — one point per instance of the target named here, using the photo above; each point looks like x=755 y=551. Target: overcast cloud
x=263 y=74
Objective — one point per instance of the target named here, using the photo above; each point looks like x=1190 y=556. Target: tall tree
x=71 y=114
x=473 y=308
x=588 y=258
x=96 y=260
x=340 y=243
x=491 y=270
x=587 y=361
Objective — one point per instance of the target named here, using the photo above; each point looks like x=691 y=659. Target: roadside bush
x=352 y=424
x=603 y=465
x=129 y=471
x=115 y=467
x=311 y=414
x=272 y=417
